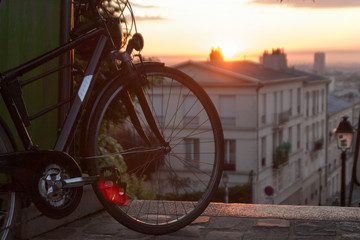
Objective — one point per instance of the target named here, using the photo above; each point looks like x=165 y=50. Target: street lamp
x=344 y=133
x=225 y=180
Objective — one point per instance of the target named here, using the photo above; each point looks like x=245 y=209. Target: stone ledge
x=235 y=221
x=290 y=212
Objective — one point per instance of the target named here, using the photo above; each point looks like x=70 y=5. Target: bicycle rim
x=166 y=186
x=9 y=201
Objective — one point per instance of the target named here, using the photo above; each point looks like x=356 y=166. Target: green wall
x=28 y=29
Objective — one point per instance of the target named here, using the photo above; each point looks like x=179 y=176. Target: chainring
x=47 y=193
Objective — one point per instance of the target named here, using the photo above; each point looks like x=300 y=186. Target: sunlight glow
x=244 y=28
x=229 y=49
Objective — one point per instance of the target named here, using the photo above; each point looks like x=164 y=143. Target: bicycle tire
x=10 y=202
x=165 y=189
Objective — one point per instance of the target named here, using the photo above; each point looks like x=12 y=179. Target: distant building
x=276 y=60
x=319 y=63
x=265 y=108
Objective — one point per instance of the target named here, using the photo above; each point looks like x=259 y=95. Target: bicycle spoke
x=168 y=184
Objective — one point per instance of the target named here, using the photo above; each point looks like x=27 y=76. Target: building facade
x=274 y=125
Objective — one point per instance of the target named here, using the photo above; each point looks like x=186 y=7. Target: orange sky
x=245 y=28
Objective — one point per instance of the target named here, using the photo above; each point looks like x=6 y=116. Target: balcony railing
x=284 y=116
x=279 y=161
x=281 y=118
x=317 y=145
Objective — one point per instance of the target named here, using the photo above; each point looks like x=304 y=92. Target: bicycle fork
x=137 y=83
x=148 y=116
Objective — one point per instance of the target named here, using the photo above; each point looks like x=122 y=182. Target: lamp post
x=344 y=133
x=225 y=180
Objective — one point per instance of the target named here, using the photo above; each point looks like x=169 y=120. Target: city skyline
x=243 y=29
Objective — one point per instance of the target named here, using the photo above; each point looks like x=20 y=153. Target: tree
x=216 y=55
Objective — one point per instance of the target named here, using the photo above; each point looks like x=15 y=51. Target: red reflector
x=113 y=193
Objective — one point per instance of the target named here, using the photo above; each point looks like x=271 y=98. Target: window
x=317 y=135
x=307 y=138
x=290 y=135
x=275 y=141
x=291 y=102
x=263 y=114
x=157 y=107
x=298 y=135
x=192 y=150
x=318 y=102
x=313 y=102
x=263 y=151
x=191 y=110
x=313 y=129
x=281 y=136
x=322 y=100
x=230 y=155
x=298 y=100
x=298 y=169
x=227 y=111
x=281 y=179
x=275 y=103
x=307 y=104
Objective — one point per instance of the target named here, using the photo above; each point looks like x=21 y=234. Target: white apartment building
x=337 y=109
x=263 y=112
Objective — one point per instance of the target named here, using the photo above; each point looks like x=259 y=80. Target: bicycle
x=151 y=142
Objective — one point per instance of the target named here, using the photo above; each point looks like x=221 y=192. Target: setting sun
x=229 y=49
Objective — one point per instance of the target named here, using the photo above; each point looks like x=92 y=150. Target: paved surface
x=231 y=221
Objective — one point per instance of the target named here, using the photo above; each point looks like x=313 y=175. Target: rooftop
x=255 y=70
x=336 y=105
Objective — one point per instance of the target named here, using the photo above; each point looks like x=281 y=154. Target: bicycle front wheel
x=167 y=185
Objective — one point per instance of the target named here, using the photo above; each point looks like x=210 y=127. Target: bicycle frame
x=10 y=88
x=11 y=92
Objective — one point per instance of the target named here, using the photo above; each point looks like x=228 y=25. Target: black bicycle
x=146 y=136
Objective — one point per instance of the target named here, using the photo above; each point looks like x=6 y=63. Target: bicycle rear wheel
x=9 y=201
x=167 y=186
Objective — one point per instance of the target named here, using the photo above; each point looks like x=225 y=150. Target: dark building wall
x=27 y=30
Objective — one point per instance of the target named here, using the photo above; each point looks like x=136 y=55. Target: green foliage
x=282 y=154
x=283 y=150
x=216 y=55
x=137 y=188
x=108 y=146
x=237 y=194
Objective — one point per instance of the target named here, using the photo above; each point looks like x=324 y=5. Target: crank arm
x=79 y=181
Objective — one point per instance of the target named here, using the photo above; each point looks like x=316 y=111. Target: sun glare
x=229 y=49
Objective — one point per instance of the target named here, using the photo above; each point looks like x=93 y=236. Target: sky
x=187 y=29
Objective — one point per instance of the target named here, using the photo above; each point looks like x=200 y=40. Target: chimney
x=276 y=60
